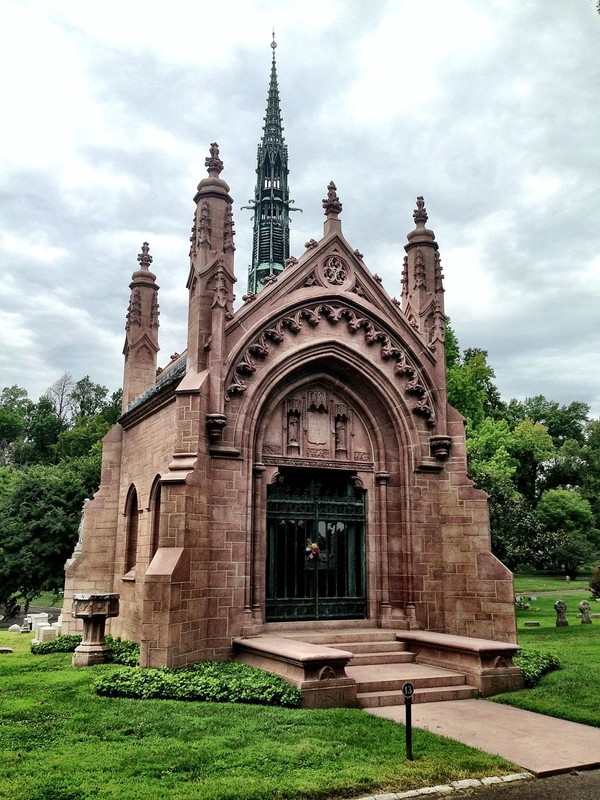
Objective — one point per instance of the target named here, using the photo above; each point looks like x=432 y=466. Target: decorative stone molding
x=440 y=447
x=317 y=463
x=214 y=425
x=334 y=313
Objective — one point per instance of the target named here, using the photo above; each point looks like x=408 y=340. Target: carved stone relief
x=317 y=424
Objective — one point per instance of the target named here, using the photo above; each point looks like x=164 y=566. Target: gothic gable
x=327 y=269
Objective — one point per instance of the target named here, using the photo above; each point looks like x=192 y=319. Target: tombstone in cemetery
x=46 y=633
x=35 y=620
x=585 y=608
x=561 y=613
x=94 y=610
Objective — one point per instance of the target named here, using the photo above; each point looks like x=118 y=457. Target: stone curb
x=455 y=786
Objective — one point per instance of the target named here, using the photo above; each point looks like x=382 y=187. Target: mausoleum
x=297 y=468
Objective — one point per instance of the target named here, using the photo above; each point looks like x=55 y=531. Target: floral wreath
x=312 y=550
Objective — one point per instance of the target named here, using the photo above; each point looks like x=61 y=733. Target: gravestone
x=584 y=607
x=561 y=613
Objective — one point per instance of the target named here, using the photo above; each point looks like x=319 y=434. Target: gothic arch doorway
x=315 y=547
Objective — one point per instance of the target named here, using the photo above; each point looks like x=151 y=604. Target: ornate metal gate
x=315 y=547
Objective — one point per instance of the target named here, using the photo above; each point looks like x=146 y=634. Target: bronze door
x=315 y=547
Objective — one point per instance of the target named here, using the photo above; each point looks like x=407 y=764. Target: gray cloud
x=488 y=110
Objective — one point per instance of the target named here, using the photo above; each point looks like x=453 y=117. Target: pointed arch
x=132 y=517
x=154 y=508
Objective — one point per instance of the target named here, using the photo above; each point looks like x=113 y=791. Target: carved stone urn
x=94 y=610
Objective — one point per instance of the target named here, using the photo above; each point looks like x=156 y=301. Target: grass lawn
x=573 y=691
x=59 y=741
x=525 y=584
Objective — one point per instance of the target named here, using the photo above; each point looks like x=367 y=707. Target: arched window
x=155 y=510
x=132 y=514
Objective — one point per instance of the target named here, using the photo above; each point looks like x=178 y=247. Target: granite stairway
x=381 y=665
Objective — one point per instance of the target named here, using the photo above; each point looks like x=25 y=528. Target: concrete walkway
x=540 y=744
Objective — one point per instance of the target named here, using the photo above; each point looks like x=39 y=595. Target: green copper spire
x=271 y=204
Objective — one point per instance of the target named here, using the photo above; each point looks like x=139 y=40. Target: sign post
x=408 y=690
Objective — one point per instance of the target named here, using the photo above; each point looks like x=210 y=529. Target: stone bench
x=486 y=664
x=318 y=671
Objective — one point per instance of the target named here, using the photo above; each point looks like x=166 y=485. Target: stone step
x=369 y=647
x=294 y=630
x=391 y=677
x=374 y=658
x=342 y=638
x=432 y=694
x=381 y=665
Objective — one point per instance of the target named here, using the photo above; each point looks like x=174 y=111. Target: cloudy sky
x=490 y=109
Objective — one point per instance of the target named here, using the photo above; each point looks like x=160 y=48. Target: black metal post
x=408 y=704
x=408 y=690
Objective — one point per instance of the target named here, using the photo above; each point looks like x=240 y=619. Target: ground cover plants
x=223 y=682
x=120 y=651
x=60 y=741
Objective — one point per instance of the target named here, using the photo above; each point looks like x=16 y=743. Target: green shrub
x=120 y=651
x=595 y=582
x=221 y=682
x=62 y=644
x=534 y=664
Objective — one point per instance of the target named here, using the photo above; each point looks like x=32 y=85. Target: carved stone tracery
x=335 y=270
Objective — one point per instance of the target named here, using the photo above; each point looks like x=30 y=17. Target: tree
x=567 y=515
x=39 y=517
x=88 y=398
x=60 y=396
x=14 y=408
x=82 y=437
x=562 y=422
x=42 y=430
x=489 y=447
x=112 y=409
x=533 y=448
x=590 y=469
x=471 y=389
x=518 y=537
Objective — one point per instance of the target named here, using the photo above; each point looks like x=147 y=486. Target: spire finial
x=331 y=203
x=213 y=163
x=144 y=258
x=273 y=44
x=420 y=212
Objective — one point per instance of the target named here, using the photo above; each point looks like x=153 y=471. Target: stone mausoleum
x=297 y=469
